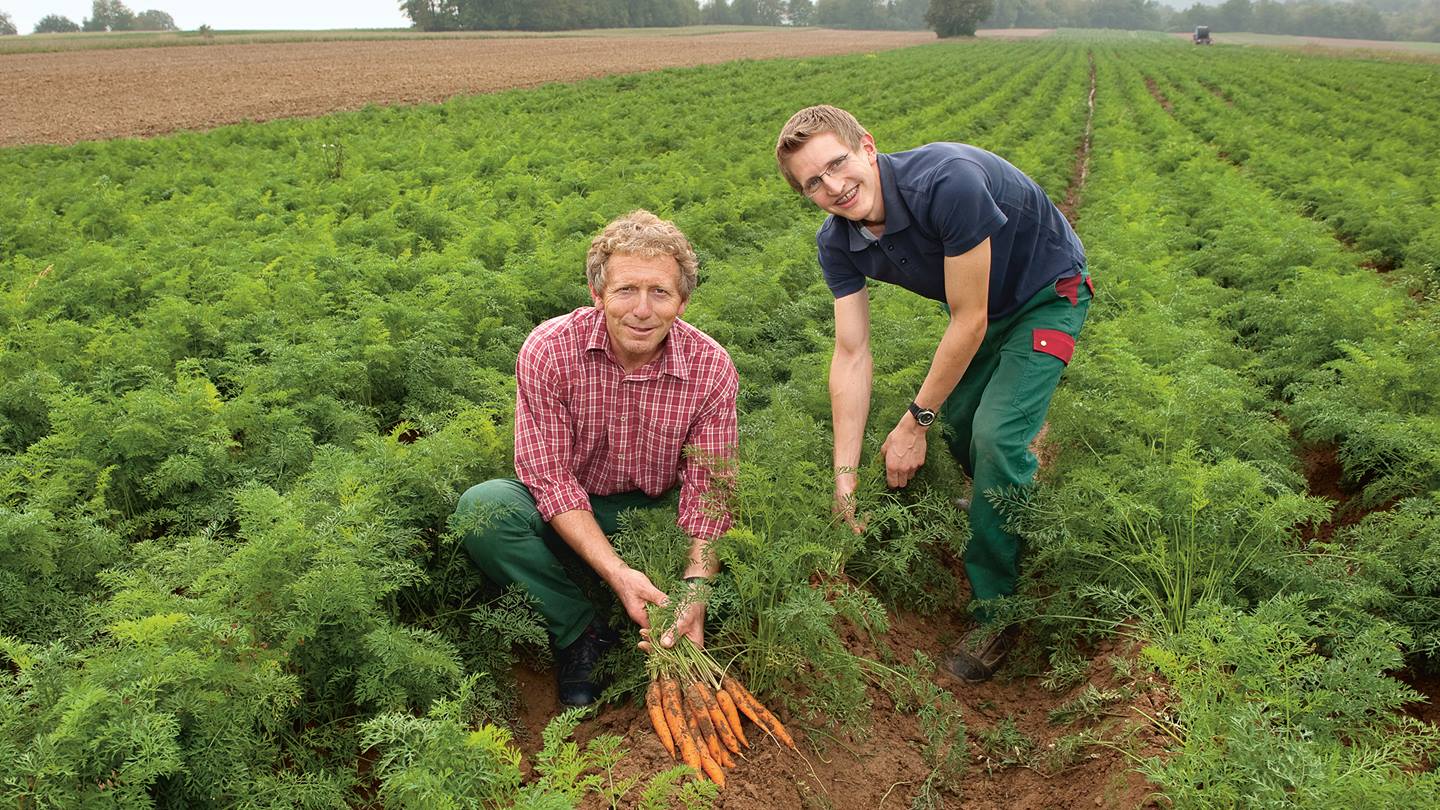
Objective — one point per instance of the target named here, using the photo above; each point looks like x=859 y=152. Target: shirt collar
x=897 y=216
x=669 y=361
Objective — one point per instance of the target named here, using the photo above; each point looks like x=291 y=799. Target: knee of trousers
x=493 y=512
x=1003 y=450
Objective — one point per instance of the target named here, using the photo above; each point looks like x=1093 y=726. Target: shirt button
x=1043 y=343
x=904 y=260
x=889 y=247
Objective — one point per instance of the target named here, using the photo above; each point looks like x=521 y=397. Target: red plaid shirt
x=582 y=425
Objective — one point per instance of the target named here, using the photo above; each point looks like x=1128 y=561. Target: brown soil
x=1081 y=168
x=88 y=95
x=1158 y=95
x=881 y=764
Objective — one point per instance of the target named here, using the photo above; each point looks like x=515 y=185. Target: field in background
x=1389 y=48
x=96 y=94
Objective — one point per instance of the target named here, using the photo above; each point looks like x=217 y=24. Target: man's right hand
x=635 y=591
x=844 y=506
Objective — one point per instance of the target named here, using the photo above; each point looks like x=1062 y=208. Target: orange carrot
x=712 y=768
x=675 y=718
x=717 y=717
x=756 y=711
x=700 y=724
x=732 y=715
x=657 y=717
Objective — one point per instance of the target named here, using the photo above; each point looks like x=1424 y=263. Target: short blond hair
x=808 y=123
x=641 y=233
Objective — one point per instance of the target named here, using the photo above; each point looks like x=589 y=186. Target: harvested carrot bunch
x=696 y=709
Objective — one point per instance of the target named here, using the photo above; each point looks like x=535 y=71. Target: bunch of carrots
x=696 y=708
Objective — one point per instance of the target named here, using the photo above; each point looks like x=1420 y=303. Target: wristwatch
x=924 y=417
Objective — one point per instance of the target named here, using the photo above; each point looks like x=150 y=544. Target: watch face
x=925 y=417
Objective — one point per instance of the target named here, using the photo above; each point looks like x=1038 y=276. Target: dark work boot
x=976 y=658
x=575 y=665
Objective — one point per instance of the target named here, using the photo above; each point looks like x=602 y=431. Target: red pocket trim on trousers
x=1055 y=343
x=1069 y=288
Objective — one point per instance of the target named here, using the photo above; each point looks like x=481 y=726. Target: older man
x=959 y=225
x=616 y=405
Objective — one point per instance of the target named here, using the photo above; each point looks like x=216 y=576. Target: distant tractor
x=1202 y=35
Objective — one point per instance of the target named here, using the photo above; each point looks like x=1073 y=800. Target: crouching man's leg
x=512 y=544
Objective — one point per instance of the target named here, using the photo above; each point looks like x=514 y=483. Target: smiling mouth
x=848 y=197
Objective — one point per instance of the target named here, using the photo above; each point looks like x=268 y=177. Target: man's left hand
x=689 y=622
x=904 y=452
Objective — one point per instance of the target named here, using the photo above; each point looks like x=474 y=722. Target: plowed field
x=96 y=94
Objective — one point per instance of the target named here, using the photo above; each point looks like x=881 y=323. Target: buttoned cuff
x=558 y=500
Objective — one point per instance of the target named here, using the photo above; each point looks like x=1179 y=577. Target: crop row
x=1225 y=319
x=1343 y=139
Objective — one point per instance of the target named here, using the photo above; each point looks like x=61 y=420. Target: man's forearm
x=700 y=562
x=579 y=530
x=952 y=357
x=850 y=379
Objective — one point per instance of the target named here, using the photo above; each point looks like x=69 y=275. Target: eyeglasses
x=814 y=184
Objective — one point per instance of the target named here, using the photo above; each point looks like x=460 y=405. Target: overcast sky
x=229 y=14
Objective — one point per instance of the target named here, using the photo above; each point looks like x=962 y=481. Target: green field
x=249 y=371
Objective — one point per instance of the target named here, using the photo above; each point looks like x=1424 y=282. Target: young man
x=616 y=405
x=960 y=225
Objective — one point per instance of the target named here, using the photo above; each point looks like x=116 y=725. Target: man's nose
x=643 y=304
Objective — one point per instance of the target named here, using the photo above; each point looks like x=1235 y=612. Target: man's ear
x=595 y=296
x=867 y=144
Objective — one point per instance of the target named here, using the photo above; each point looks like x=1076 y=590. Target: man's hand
x=844 y=506
x=635 y=591
x=904 y=451
x=690 y=622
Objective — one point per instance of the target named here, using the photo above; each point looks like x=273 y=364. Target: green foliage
x=957 y=18
x=1389 y=563
x=1266 y=720
x=56 y=24
x=1158 y=538
x=109 y=15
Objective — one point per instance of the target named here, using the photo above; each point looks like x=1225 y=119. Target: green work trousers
x=994 y=414
x=513 y=544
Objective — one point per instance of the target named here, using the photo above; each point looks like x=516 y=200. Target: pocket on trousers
x=1054 y=343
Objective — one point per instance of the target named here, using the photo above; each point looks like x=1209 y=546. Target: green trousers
x=993 y=415
x=513 y=545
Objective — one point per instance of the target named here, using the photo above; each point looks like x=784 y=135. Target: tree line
x=1361 y=19
x=1364 y=19
x=105 y=15
x=553 y=15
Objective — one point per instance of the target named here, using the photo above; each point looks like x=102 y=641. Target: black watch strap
x=923 y=416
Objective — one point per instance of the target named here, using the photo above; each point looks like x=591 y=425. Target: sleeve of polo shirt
x=543 y=445
x=710 y=453
x=841 y=275
x=961 y=208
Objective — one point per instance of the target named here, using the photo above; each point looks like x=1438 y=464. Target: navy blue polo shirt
x=943 y=199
